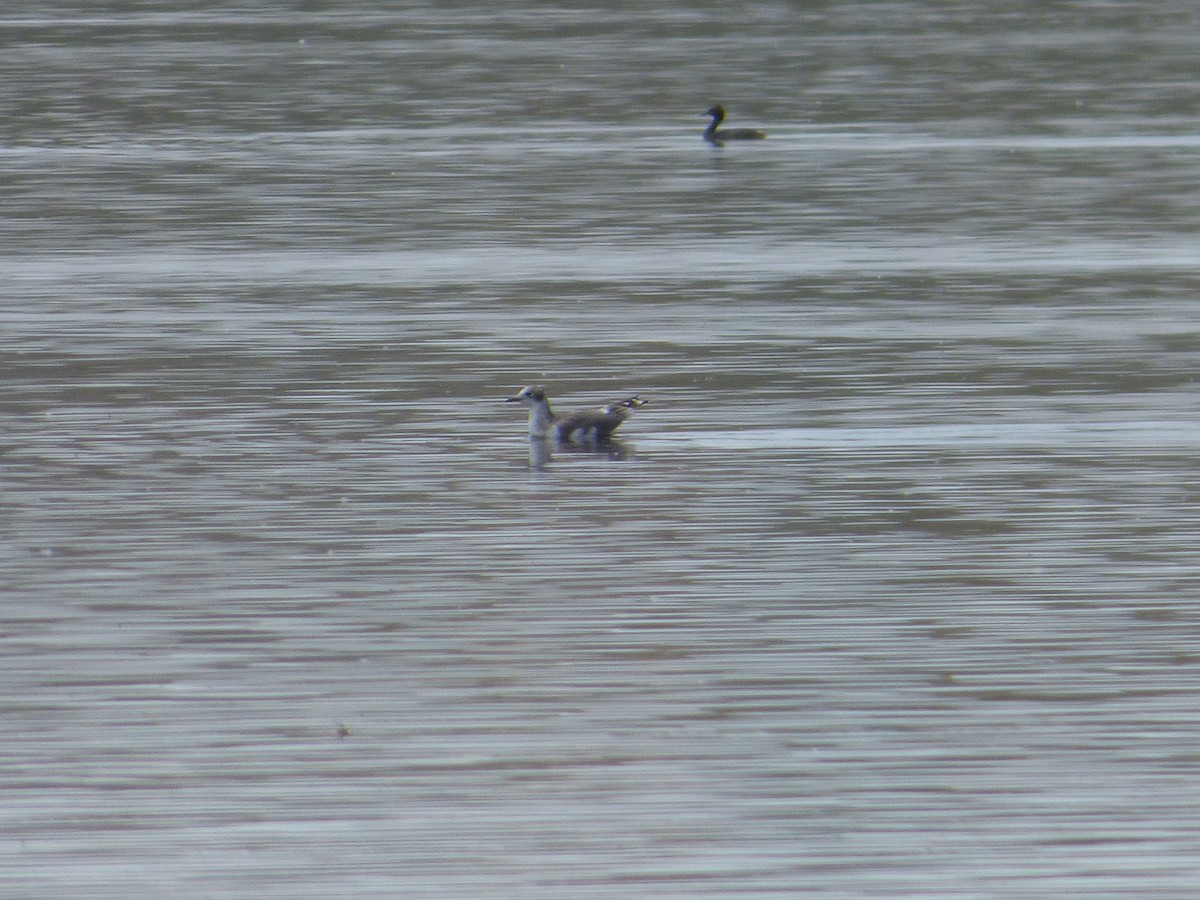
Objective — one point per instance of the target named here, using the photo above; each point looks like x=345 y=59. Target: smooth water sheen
x=891 y=591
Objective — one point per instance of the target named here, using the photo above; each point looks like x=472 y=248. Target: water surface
x=889 y=592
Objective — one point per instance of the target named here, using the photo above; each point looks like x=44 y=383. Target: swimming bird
x=729 y=134
x=591 y=426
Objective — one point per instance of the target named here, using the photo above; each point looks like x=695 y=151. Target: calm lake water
x=891 y=591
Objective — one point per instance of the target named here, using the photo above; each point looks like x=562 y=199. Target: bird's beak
x=512 y=399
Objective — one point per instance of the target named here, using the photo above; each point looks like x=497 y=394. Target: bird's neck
x=541 y=418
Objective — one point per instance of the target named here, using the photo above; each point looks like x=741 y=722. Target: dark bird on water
x=715 y=135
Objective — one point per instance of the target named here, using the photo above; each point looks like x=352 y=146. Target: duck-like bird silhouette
x=587 y=427
x=713 y=135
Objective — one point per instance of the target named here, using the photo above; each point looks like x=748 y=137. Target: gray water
x=891 y=591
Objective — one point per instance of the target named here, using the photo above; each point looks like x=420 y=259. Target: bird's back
x=739 y=134
x=591 y=425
